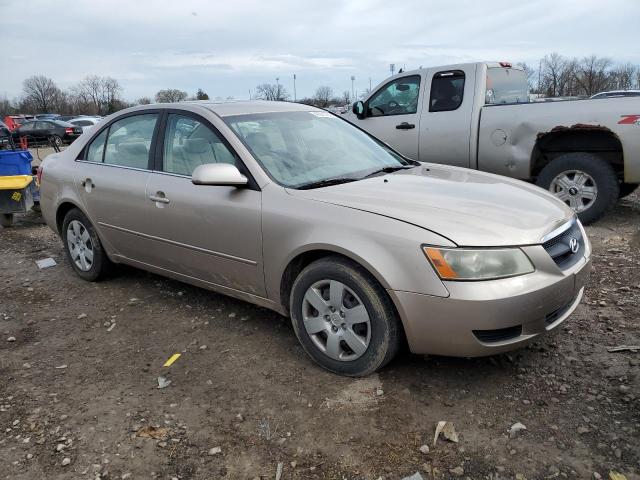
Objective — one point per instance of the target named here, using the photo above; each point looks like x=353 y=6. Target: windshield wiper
x=389 y=170
x=326 y=183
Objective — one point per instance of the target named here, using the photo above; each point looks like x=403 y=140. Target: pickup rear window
x=506 y=85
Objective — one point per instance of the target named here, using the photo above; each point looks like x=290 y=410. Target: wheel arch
x=301 y=258
x=595 y=139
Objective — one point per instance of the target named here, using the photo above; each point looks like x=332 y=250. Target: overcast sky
x=228 y=47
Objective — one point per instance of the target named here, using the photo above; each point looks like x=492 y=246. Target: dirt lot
x=79 y=364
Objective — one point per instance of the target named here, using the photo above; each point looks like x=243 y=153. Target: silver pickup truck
x=478 y=115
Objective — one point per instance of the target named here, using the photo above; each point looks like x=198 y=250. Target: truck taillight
x=505 y=65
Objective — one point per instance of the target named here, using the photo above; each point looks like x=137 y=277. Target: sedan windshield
x=308 y=149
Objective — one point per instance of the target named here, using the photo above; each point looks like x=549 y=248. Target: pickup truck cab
x=478 y=115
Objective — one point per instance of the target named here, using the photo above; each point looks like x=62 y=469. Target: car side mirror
x=359 y=109
x=220 y=174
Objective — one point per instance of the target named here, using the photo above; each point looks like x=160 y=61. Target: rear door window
x=447 y=91
x=129 y=141
x=96 y=148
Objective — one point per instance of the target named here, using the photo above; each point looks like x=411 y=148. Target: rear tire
x=627 y=189
x=83 y=247
x=602 y=184
x=6 y=220
x=375 y=340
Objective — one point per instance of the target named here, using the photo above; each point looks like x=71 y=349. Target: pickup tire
x=566 y=175
x=627 y=189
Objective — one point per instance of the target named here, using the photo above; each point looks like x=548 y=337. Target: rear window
x=506 y=85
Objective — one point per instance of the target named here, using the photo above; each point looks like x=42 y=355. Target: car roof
x=225 y=109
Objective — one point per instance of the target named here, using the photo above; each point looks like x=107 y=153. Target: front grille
x=559 y=247
x=498 y=335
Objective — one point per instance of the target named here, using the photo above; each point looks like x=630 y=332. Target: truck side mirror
x=358 y=109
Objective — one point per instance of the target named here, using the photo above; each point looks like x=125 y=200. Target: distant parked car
x=5 y=136
x=85 y=122
x=48 y=116
x=54 y=131
x=617 y=93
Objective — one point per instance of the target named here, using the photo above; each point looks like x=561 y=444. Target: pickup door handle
x=405 y=126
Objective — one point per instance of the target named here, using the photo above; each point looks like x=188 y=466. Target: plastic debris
x=415 y=476
x=515 y=429
x=172 y=359
x=215 y=451
x=624 y=348
x=448 y=432
x=46 y=263
x=616 y=476
x=279 y=471
x=163 y=382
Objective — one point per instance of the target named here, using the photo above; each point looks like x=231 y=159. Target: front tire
x=83 y=247
x=343 y=318
x=584 y=181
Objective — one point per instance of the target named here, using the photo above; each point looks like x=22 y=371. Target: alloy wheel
x=575 y=188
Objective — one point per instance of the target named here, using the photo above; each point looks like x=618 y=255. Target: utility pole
x=353 y=96
x=277 y=88
x=295 y=97
x=392 y=67
x=369 y=84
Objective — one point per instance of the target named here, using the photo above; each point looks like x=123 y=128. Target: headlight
x=478 y=264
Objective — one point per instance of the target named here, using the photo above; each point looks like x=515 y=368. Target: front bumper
x=490 y=317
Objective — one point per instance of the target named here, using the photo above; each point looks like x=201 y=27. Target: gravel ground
x=79 y=395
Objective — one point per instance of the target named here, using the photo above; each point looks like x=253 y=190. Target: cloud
x=227 y=48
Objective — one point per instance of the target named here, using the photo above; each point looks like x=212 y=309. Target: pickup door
x=447 y=106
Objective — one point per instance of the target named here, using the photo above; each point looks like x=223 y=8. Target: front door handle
x=405 y=126
x=158 y=199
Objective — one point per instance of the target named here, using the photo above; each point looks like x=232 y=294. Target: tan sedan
x=294 y=209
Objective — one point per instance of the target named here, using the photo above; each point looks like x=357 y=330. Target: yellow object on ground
x=15 y=182
x=173 y=358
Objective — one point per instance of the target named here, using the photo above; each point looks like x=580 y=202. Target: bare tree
x=346 y=97
x=143 y=101
x=323 y=96
x=592 y=75
x=97 y=95
x=171 y=95
x=557 y=76
x=41 y=93
x=270 y=91
x=625 y=76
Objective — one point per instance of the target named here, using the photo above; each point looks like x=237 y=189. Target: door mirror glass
x=358 y=109
x=218 y=174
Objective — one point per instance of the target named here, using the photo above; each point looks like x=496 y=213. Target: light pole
x=277 y=88
x=295 y=98
x=353 y=96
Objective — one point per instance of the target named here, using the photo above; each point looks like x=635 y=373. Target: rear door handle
x=405 y=126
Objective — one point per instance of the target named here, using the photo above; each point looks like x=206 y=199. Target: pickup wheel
x=627 y=189
x=584 y=181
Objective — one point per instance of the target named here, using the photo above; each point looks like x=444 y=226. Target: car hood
x=469 y=208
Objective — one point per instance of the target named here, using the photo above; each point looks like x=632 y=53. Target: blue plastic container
x=17 y=162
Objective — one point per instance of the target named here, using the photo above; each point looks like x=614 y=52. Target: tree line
x=556 y=76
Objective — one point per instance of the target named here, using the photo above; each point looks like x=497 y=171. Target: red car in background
x=14 y=121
